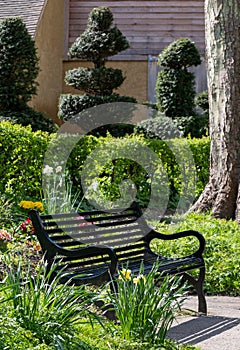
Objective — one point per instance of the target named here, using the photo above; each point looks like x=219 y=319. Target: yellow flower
x=38 y=206
x=27 y=204
x=31 y=205
x=126 y=274
x=22 y=203
x=138 y=278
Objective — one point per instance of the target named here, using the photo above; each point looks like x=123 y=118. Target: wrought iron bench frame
x=91 y=246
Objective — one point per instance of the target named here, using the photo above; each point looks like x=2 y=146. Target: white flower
x=94 y=186
x=48 y=170
x=58 y=169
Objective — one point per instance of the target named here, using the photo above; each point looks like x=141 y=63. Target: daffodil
x=126 y=274
x=137 y=279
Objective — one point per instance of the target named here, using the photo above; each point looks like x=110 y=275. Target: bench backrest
x=123 y=230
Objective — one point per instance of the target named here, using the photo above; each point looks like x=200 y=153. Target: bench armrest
x=154 y=234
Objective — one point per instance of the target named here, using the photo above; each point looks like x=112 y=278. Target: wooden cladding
x=148 y=25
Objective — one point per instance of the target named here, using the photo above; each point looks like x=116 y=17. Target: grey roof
x=29 y=10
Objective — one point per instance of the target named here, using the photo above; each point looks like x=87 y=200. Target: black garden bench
x=92 y=245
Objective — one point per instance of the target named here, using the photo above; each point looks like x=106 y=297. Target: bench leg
x=198 y=284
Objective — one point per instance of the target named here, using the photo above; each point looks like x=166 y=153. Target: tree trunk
x=222 y=193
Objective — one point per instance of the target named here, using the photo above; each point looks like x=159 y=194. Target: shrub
x=5 y=212
x=175 y=90
x=18 y=72
x=28 y=116
x=99 y=41
x=157 y=128
x=181 y=53
x=221 y=253
x=200 y=149
x=161 y=128
x=111 y=169
x=98 y=81
x=22 y=153
x=18 y=65
x=193 y=126
x=201 y=100
x=71 y=105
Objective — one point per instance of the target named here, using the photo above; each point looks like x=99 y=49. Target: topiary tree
x=175 y=91
x=18 y=72
x=18 y=65
x=99 y=41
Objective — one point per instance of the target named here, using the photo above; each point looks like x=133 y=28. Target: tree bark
x=222 y=193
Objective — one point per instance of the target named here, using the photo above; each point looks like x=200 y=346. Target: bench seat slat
x=134 y=266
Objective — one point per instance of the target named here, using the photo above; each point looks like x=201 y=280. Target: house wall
x=135 y=84
x=49 y=42
x=148 y=25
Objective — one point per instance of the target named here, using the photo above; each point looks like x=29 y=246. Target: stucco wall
x=135 y=84
x=49 y=42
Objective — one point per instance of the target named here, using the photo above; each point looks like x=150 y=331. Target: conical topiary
x=99 y=41
x=175 y=90
x=18 y=72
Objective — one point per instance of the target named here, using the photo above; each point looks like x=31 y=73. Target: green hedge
x=114 y=163
x=22 y=153
x=21 y=158
x=72 y=105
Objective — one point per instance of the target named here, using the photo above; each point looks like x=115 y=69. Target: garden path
x=220 y=329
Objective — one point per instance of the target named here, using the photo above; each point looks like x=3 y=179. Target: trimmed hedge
x=22 y=153
x=72 y=105
x=159 y=127
x=28 y=116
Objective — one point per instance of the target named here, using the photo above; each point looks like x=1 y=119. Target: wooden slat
x=148 y=25
x=144 y=27
x=152 y=11
x=132 y=18
x=77 y=3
